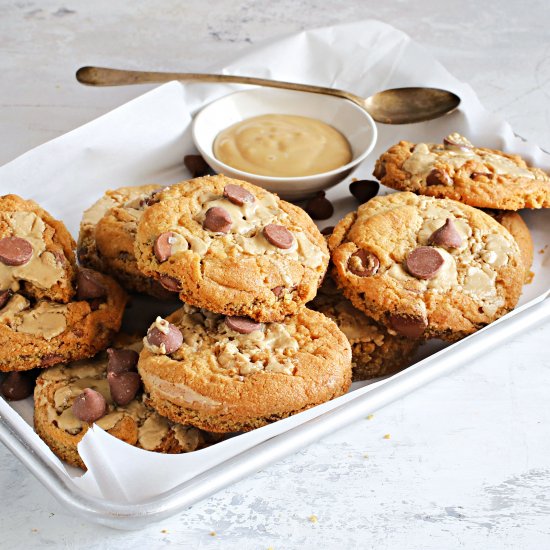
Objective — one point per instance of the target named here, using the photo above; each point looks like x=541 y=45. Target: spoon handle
x=102 y=76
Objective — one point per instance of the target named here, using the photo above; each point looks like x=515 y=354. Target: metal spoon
x=396 y=106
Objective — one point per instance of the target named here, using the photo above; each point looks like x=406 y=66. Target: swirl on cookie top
x=470 y=263
x=63 y=386
x=237 y=221
x=23 y=253
x=239 y=345
x=44 y=320
x=428 y=161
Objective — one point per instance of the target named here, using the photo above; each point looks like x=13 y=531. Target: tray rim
x=130 y=516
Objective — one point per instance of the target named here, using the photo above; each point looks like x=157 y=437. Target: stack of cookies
x=242 y=350
x=272 y=318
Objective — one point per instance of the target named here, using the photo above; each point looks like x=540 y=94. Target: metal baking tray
x=134 y=516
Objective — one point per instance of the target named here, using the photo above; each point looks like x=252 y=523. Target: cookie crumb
x=313 y=518
x=34 y=530
x=370 y=416
x=387 y=436
x=365 y=455
x=212 y=533
x=165 y=531
x=530 y=277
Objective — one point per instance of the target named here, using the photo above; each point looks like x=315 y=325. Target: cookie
x=517 y=227
x=227 y=374
x=457 y=170
x=231 y=247
x=107 y=234
x=43 y=333
x=426 y=267
x=36 y=252
x=375 y=351
x=65 y=408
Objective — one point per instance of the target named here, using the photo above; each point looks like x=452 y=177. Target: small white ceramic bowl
x=352 y=121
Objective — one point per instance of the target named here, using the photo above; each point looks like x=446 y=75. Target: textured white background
x=468 y=461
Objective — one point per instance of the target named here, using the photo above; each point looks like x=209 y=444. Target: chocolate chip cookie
x=106 y=391
x=375 y=351
x=42 y=333
x=426 y=267
x=107 y=234
x=231 y=247
x=226 y=374
x=36 y=252
x=457 y=170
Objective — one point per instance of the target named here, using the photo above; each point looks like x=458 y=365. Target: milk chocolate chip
x=364 y=190
x=15 y=251
x=407 y=325
x=447 y=235
x=197 y=166
x=169 y=283
x=217 y=219
x=171 y=341
x=89 y=406
x=437 y=177
x=88 y=285
x=424 y=262
x=242 y=325
x=319 y=207
x=379 y=170
x=278 y=236
x=456 y=142
x=123 y=386
x=4 y=297
x=163 y=246
x=278 y=291
x=121 y=360
x=17 y=385
x=327 y=230
x=237 y=194
x=363 y=263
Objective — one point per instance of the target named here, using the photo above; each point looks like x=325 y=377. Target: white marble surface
x=468 y=461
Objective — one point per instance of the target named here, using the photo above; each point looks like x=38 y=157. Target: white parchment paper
x=144 y=141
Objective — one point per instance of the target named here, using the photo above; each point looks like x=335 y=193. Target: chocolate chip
x=447 y=235
x=237 y=194
x=17 y=385
x=171 y=341
x=88 y=285
x=242 y=325
x=457 y=143
x=51 y=359
x=407 y=325
x=163 y=246
x=319 y=207
x=364 y=190
x=153 y=198
x=327 y=230
x=475 y=175
x=123 y=386
x=424 y=262
x=197 y=166
x=363 y=263
x=217 y=219
x=121 y=360
x=15 y=251
x=4 y=297
x=278 y=235
x=379 y=170
x=89 y=406
x=437 y=177
x=169 y=283
x=278 y=291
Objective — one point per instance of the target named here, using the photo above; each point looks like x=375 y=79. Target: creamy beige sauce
x=282 y=146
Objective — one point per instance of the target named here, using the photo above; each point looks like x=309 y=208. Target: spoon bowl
x=395 y=106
